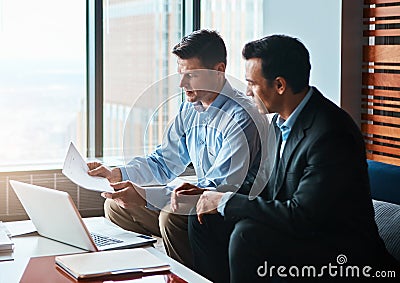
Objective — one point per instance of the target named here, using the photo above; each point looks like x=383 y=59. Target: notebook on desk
x=56 y=217
x=106 y=263
x=44 y=269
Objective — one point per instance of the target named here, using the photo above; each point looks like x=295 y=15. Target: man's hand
x=98 y=169
x=186 y=193
x=208 y=204
x=127 y=195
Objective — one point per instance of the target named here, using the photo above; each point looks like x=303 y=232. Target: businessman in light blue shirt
x=215 y=130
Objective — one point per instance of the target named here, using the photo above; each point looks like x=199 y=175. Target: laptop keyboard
x=102 y=241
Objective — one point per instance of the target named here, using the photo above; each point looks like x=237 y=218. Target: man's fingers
x=193 y=191
x=115 y=195
x=174 y=203
x=201 y=205
x=185 y=186
x=118 y=194
x=200 y=218
x=179 y=191
x=121 y=185
x=200 y=209
x=98 y=171
x=93 y=165
x=106 y=195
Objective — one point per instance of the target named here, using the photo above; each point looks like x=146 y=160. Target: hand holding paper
x=127 y=194
x=76 y=169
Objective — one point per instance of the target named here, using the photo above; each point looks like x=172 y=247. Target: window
x=138 y=37
x=238 y=22
x=42 y=80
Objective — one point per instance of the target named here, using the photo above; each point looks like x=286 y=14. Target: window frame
x=95 y=92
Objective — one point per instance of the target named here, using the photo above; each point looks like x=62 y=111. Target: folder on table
x=105 y=263
x=43 y=269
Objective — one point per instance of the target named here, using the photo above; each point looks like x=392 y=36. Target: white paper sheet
x=76 y=169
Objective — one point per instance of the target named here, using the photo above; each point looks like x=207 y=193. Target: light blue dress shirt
x=221 y=142
x=285 y=127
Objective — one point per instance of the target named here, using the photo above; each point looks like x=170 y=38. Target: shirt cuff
x=222 y=202
x=124 y=173
x=158 y=197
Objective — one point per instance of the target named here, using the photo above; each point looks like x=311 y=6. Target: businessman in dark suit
x=316 y=209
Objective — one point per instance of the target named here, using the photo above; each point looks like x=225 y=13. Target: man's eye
x=188 y=75
x=192 y=75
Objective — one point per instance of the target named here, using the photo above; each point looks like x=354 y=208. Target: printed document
x=76 y=169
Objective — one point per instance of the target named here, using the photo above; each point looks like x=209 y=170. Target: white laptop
x=56 y=217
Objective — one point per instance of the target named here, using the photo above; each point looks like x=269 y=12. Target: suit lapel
x=290 y=146
x=268 y=192
x=297 y=134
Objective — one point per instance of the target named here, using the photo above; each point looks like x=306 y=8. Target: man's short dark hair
x=205 y=45
x=282 y=56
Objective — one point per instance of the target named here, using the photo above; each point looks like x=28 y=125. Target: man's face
x=263 y=94
x=198 y=82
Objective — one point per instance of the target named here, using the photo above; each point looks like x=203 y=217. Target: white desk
x=34 y=245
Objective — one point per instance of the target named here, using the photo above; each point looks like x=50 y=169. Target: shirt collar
x=288 y=124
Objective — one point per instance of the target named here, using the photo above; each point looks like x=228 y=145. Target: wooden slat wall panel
x=370 y=2
x=381 y=130
x=383 y=158
x=382 y=32
x=381 y=119
x=381 y=22
x=381 y=79
x=381 y=12
x=382 y=92
x=382 y=141
x=380 y=67
x=384 y=149
x=382 y=54
x=380 y=102
x=380 y=108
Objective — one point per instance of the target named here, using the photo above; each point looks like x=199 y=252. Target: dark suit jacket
x=321 y=186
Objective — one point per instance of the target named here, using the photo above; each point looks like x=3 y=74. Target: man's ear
x=220 y=67
x=280 y=85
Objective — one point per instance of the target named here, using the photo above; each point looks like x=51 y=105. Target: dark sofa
x=385 y=191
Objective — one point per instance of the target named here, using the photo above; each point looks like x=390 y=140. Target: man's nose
x=249 y=91
x=183 y=81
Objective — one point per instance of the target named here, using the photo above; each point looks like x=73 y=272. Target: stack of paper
x=6 y=245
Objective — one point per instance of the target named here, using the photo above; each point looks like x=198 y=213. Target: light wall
x=318 y=25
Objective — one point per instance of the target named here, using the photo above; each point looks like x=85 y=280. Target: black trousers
x=210 y=240
x=247 y=251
